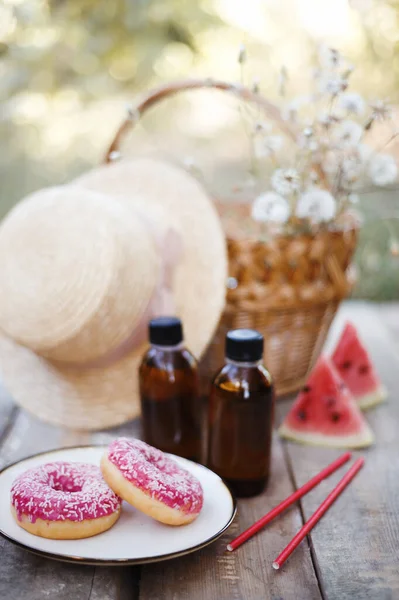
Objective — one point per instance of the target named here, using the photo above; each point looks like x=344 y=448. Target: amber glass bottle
x=241 y=410
x=169 y=390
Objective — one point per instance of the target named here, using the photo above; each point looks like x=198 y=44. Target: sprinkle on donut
x=157 y=475
x=61 y=491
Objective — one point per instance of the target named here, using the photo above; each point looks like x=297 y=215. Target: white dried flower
x=268 y=145
x=242 y=54
x=383 y=169
x=333 y=85
x=285 y=181
x=327 y=119
x=351 y=103
x=307 y=140
x=348 y=166
x=310 y=144
x=256 y=85
x=353 y=198
x=317 y=205
x=291 y=110
x=351 y=169
x=270 y=207
x=282 y=81
x=348 y=71
x=330 y=58
x=331 y=162
x=262 y=127
x=380 y=111
x=348 y=133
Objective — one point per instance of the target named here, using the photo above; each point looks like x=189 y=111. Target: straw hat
x=81 y=273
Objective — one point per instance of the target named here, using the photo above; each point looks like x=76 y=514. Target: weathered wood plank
x=8 y=411
x=356 y=544
x=247 y=572
x=109 y=584
x=24 y=576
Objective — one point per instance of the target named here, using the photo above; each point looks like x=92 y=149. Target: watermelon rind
x=369 y=400
x=325 y=412
x=350 y=344
x=362 y=439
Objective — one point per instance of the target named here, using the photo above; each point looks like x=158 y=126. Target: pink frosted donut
x=64 y=501
x=152 y=482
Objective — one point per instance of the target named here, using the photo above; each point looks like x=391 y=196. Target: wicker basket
x=289 y=288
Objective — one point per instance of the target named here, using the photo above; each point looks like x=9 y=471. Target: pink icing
x=157 y=475
x=62 y=491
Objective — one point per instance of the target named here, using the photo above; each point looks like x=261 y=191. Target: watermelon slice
x=353 y=363
x=325 y=413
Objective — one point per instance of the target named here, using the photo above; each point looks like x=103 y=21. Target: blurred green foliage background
x=68 y=68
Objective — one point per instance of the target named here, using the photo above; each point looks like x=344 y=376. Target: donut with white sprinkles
x=152 y=482
x=63 y=501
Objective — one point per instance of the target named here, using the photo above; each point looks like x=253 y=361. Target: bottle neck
x=176 y=348
x=245 y=365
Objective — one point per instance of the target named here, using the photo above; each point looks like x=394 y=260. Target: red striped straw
x=326 y=472
x=315 y=518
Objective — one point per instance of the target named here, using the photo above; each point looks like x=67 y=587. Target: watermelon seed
x=301 y=414
x=330 y=401
x=363 y=369
x=335 y=417
x=346 y=365
x=306 y=388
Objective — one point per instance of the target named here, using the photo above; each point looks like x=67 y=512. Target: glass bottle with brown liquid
x=240 y=418
x=169 y=390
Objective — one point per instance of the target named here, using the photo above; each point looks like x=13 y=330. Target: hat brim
x=100 y=398
x=80 y=399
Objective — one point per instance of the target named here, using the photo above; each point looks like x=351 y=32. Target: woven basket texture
x=289 y=289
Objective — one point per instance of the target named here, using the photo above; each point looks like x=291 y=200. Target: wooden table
x=352 y=554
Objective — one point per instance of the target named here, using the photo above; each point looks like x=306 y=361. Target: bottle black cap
x=244 y=345
x=166 y=331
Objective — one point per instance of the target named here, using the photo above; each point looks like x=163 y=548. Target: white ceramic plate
x=135 y=538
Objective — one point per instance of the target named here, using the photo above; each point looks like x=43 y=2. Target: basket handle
x=240 y=91
x=172 y=88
